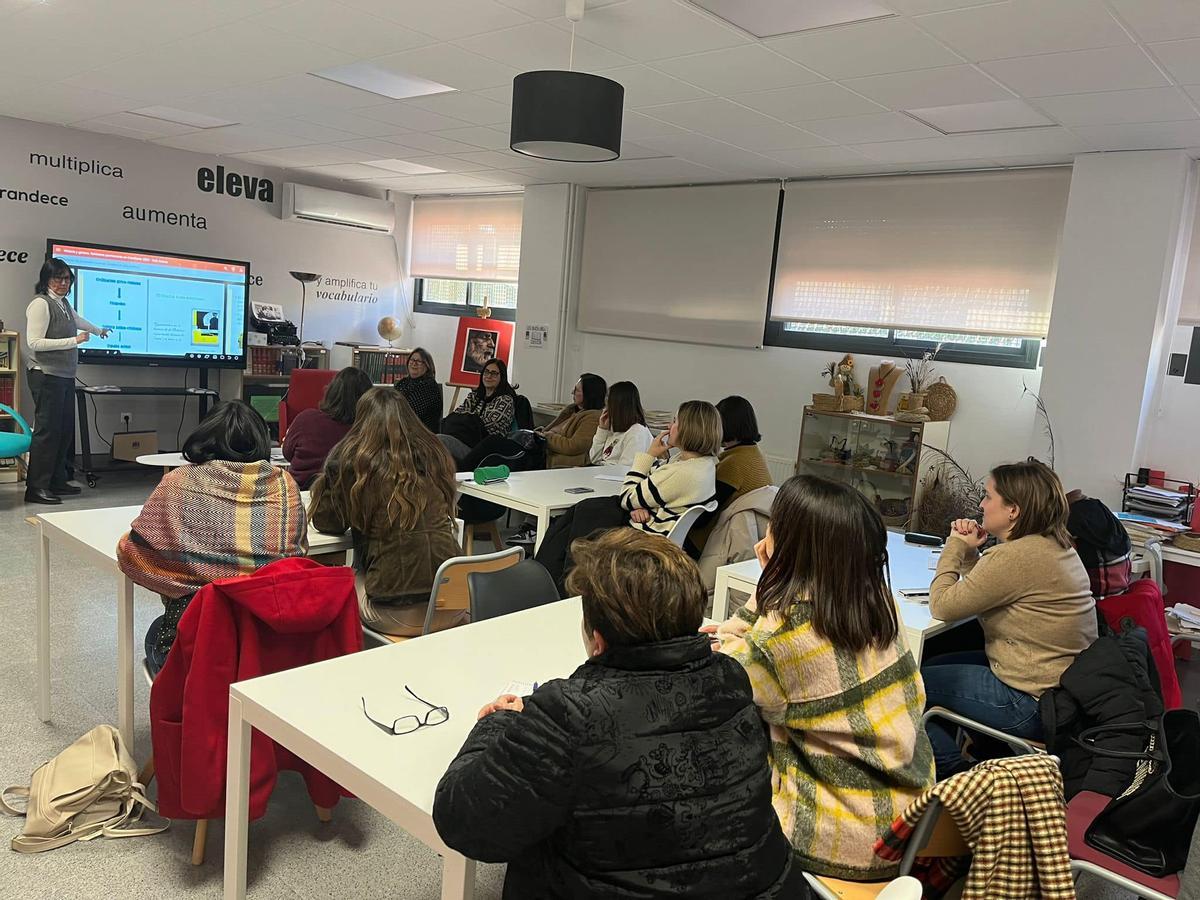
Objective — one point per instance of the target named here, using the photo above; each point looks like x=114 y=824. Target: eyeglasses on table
x=435 y=715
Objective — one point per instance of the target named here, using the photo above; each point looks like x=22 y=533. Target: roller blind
x=688 y=264
x=476 y=238
x=966 y=253
x=1189 y=310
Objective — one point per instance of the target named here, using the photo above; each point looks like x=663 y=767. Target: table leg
x=125 y=658
x=43 y=626
x=543 y=525
x=720 y=610
x=237 y=802
x=458 y=877
x=916 y=640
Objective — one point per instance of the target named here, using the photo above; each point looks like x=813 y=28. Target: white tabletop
x=909 y=565
x=462 y=668
x=176 y=460
x=547 y=488
x=99 y=530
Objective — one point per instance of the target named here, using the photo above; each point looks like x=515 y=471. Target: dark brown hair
x=636 y=587
x=503 y=387
x=624 y=405
x=388 y=466
x=1042 y=508
x=830 y=551
x=594 y=388
x=738 y=422
x=233 y=431
x=342 y=396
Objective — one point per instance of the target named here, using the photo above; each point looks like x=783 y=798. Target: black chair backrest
x=523 y=586
x=523 y=412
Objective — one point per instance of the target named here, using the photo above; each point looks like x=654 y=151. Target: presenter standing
x=53 y=333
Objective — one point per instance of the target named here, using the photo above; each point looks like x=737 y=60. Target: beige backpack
x=88 y=790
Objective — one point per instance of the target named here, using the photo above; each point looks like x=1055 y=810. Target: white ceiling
x=705 y=101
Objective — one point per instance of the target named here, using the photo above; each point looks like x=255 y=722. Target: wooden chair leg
x=493 y=535
x=324 y=815
x=147 y=774
x=469 y=539
x=199 y=842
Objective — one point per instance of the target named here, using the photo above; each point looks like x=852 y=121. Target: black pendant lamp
x=567 y=116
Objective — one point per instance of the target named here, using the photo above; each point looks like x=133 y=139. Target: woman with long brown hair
x=833 y=679
x=391 y=483
x=1032 y=596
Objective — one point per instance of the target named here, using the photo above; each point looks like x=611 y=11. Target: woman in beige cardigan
x=1033 y=599
x=569 y=436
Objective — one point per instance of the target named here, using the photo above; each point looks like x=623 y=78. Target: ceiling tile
x=451 y=65
x=293 y=95
x=657 y=29
x=346 y=171
x=376 y=148
x=60 y=103
x=536 y=45
x=994 y=116
x=888 y=126
x=309 y=132
x=799 y=162
x=1056 y=142
x=636 y=126
x=1160 y=20
x=1118 y=107
x=351 y=122
x=919 y=7
x=492 y=159
x=647 y=87
x=470 y=108
x=1181 y=59
x=1083 y=71
x=406 y=117
x=930 y=87
x=234 y=139
x=128 y=124
x=301 y=157
x=341 y=27
x=417 y=142
x=1146 y=136
x=446 y=20
x=1026 y=27
x=705 y=151
x=811 y=101
x=477 y=136
x=747 y=67
x=550 y=9
x=735 y=124
x=866 y=48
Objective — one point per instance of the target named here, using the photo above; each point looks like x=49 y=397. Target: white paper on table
x=620 y=477
x=520 y=688
x=464 y=476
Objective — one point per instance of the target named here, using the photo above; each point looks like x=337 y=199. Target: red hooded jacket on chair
x=287 y=614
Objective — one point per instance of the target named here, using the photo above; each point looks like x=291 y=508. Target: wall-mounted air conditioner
x=314 y=204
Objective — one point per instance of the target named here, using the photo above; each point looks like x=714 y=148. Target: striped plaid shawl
x=212 y=521
x=848 y=753
x=1012 y=815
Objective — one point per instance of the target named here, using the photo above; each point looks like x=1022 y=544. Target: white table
x=169 y=461
x=316 y=713
x=94 y=533
x=543 y=494
x=909 y=569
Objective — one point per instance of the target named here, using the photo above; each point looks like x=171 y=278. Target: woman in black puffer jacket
x=642 y=775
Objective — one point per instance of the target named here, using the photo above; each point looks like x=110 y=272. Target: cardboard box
x=129 y=445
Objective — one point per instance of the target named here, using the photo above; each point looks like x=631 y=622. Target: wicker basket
x=829 y=403
x=893 y=512
x=910 y=402
x=941 y=400
x=1189 y=541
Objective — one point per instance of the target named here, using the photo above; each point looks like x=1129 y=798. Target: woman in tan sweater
x=1033 y=599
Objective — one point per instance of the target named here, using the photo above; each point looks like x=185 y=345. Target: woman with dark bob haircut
x=314 y=432
x=420 y=387
x=226 y=514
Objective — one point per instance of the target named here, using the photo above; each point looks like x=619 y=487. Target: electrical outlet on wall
x=127 y=418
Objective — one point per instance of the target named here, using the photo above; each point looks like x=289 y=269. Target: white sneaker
x=526 y=534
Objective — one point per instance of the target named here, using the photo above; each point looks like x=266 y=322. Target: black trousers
x=53 y=431
x=588 y=516
x=501 y=445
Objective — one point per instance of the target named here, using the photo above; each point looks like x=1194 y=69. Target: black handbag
x=1150 y=826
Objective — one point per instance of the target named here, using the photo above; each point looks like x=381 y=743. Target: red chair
x=306 y=389
x=1083 y=808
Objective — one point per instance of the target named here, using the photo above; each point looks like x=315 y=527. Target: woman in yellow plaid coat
x=833 y=679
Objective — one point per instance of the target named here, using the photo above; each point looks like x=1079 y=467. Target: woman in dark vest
x=53 y=333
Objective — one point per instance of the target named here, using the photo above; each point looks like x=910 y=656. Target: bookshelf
x=10 y=395
x=384 y=365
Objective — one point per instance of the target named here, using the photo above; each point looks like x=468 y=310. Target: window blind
x=1189 y=309
x=689 y=264
x=475 y=238
x=964 y=253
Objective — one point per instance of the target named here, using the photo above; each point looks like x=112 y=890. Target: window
x=448 y=297
x=898 y=265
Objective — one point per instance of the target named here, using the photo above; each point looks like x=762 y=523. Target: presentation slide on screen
x=158 y=305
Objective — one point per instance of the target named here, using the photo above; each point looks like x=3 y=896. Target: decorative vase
x=910 y=401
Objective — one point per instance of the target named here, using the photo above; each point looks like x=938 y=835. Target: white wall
x=1173 y=424
x=235 y=227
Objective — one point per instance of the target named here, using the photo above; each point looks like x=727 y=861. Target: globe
x=389 y=329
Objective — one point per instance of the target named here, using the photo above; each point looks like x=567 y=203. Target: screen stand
x=203 y=398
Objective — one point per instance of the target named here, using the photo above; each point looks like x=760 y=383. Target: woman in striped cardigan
x=833 y=679
x=228 y=513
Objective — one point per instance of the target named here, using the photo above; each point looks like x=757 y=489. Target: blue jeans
x=964 y=683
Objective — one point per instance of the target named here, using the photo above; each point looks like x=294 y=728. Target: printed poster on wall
x=479 y=340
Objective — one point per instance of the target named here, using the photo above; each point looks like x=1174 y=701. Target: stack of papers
x=1157 y=502
x=1183 y=619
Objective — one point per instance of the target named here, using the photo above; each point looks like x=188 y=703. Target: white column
x=1112 y=305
